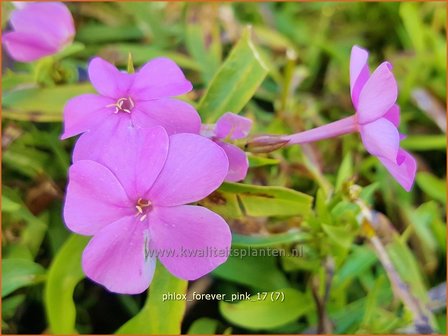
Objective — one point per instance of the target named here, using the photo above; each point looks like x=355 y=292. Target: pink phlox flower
x=39 y=29
x=143 y=99
x=378 y=116
x=376 y=119
x=131 y=192
x=231 y=126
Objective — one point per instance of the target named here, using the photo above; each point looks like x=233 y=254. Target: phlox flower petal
x=174 y=115
x=107 y=79
x=238 y=162
x=359 y=72
x=381 y=138
x=186 y=231
x=403 y=169
x=159 y=78
x=134 y=155
x=393 y=115
x=94 y=198
x=233 y=126
x=378 y=95
x=85 y=112
x=118 y=257
x=195 y=167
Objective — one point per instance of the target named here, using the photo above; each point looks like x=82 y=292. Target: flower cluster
x=143 y=156
x=137 y=165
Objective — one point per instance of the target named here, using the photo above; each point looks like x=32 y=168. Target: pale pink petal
x=94 y=198
x=404 y=170
x=233 y=126
x=378 y=95
x=118 y=257
x=108 y=80
x=135 y=155
x=381 y=138
x=194 y=168
x=187 y=231
x=84 y=113
x=49 y=22
x=159 y=78
x=238 y=162
x=359 y=72
x=174 y=115
x=393 y=115
x=26 y=47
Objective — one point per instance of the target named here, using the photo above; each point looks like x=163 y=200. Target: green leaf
x=261 y=201
x=41 y=104
x=345 y=171
x=18 y=273
x=207 y=60
x=292 y=236
x=339 y=235
x=259 y=161
x=130 y=66
x=64 y=274
x=410 y=15
x=268 y=313
x=96 y=33
x=8 y=205
x=431 y=185
x=424 y=142
x=223 y=203
x=143 y=53
x=243 y=268
x=158 y=315
x=203 y=326
x=235 y=82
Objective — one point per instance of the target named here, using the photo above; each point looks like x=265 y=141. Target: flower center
x=143 y=207
x=123 y=105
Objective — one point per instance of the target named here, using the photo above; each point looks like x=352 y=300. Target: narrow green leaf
x=143 y=53
x=345 y=171
x=40 y=104
x=159 y=316
x=18 y=273
x=424 y=142
x=195 y=42
x=268 y=313
x=292 y=236
x=64 y=274
x=261 y=201
x=130 y=67
x=235 y=82
x=259 y=161
x=432 y=186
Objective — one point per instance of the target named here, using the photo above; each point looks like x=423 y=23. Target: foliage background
x=306 y=48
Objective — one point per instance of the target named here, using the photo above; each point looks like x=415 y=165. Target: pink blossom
x=377 y=118
x=143 y=99
x=231 y=127
x=39 y=29
x=131 y=192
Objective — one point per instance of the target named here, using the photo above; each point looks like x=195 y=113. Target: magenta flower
x=130 y=194
x=39 y=29
x=142 y=99
x=231 y=127
x=377 y=118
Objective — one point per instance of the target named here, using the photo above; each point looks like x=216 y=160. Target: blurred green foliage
x=285 y=65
